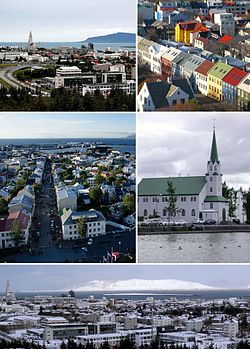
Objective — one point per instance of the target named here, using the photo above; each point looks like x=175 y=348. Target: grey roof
x=191 y=185
x=69 y=216
x=23 y=200
x=160 y=89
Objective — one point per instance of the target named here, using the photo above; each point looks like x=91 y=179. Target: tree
x=172 y=198
x=229 y=194
x=129 y=203
x=82 y=227
x=3 y=206
x=247 y=206
x=98 y=179
x=95 y=194
x=17 y=233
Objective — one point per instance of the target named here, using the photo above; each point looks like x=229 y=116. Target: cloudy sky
x=180 y=143
x=66 y=125
x=64 y=20
x=65 y=277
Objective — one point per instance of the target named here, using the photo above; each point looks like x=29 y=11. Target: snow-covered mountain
x=142 y=285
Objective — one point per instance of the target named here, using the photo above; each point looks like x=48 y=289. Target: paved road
x=7 y=75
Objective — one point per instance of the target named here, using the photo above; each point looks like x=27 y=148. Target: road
x=7 y=75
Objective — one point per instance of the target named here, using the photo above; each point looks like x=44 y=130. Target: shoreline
x=164 y=231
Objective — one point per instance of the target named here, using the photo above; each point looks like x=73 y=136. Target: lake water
x=194 y=248
x=127 y=46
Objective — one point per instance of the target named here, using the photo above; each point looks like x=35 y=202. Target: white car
x=90 y=241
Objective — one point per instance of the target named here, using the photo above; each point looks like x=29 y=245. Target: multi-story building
x=215 y=78
x=231 y=328
x=230 y=83
x=243 y=93
x=201 y=76
x=226 y=22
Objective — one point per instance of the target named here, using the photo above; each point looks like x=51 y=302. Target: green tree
x=17 y=233
x=129 y=203
x=99 y=179
x=82 y=227
x=172 y=199
x=3 y=206
x=96 y=194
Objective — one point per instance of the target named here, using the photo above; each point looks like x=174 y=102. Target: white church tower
x=214 y=175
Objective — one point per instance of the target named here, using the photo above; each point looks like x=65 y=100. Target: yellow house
x=215 y=77
x=184 y=29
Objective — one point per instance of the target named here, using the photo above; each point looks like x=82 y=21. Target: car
x=168 y=222
x=85 y=249
x=180 y=222
x=90 y=241
x=236 y=221
x=199 y=221
x=209 y=222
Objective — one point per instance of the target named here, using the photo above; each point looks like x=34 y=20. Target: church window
x=211 y=179
x=211 y=167
x=154 y=213
x=211 y=205
x=195 y=198
x=211 y=189
x=184 y=198
x=193 y=213
x=164 y=212
x=181 y=199
x=215 y=168
x=183 y=213
x=191 y=198
x=145 y=213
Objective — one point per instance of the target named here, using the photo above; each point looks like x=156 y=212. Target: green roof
x=220 y=70
x=214 y=152
x=215 y=198
x=183 y=185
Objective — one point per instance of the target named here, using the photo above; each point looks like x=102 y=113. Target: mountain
x=142 y=285
x=112 y=38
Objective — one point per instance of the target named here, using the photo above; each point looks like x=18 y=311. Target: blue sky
x=64 y=20
x=66 y=125
x=63 y=277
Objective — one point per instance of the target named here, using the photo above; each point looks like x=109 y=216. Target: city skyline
x=55 y=277
x=64 y=22
x=66 y=125
x=181 y=145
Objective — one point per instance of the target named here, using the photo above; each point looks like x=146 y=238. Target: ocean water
x=195 y=248
x=143 y=295
x=98 y=46
x=120 y=144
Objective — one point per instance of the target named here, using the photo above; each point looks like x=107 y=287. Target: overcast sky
x=64 y=20
x=180 y=143
x=65 y=277
x=66 y=125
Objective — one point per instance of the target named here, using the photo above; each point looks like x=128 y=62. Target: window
x=211 y=205
x=193 y=213
x=145 y=213
x=164 y=212
x=211 y=179
x=183 y=213
x=182 y=100
x=174 y=102
x=211 y=189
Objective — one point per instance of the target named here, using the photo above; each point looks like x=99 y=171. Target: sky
x=64 y=20
x=66 y=125
x=65 y=277
x=170 y=144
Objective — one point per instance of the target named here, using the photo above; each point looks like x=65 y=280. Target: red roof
x=205 y=67
x=235 y=76
x=18 y=215
x=225 y=39
x=168 y=9
x=199 y=28
x=188 y=24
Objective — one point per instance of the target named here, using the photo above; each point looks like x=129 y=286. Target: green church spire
x=214 y=152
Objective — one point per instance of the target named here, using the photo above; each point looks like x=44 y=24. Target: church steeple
x=214 y=152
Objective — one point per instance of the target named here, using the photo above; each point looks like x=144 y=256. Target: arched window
x=145 y=213
x=183 y=213
x=154 y=213
x=164 y=212
x=211 y=179
x=211 y=205
x=193 y=213
x=211 y=189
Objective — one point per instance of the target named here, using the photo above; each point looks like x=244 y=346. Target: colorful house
x=201 y=78
x=229 y=84
x=183 y=30
x=215 y=77
x=243 y=94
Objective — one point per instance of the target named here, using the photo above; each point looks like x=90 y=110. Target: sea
x=195 y=248
x=143 y=295
x=120 y=144
x=127 y=46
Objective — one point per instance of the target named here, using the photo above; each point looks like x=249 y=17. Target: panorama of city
x=193 y=55
x=68 y=199
x=125 y=313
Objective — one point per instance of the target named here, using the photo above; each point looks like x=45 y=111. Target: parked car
x=209 y=222
x=236 y=221
x=180 y=222
x=167 y=222
x=90 y=241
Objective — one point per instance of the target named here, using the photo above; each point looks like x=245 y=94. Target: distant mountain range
x=112 y=38
x=140 y=284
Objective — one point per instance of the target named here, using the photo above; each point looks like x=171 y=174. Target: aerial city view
x=67 y=187
x=193 y=195
x=150 y=307
x=193 y=55
x=67 y=63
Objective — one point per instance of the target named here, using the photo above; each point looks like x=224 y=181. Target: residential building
x=215 y=78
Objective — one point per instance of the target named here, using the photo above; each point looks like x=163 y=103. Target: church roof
x=214 y=152
x=215 y=198
x=191 y=185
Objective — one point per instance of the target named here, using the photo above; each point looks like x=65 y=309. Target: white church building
x=198 y=197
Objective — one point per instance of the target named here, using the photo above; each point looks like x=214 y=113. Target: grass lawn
x=4 y=83
x=6 y=65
